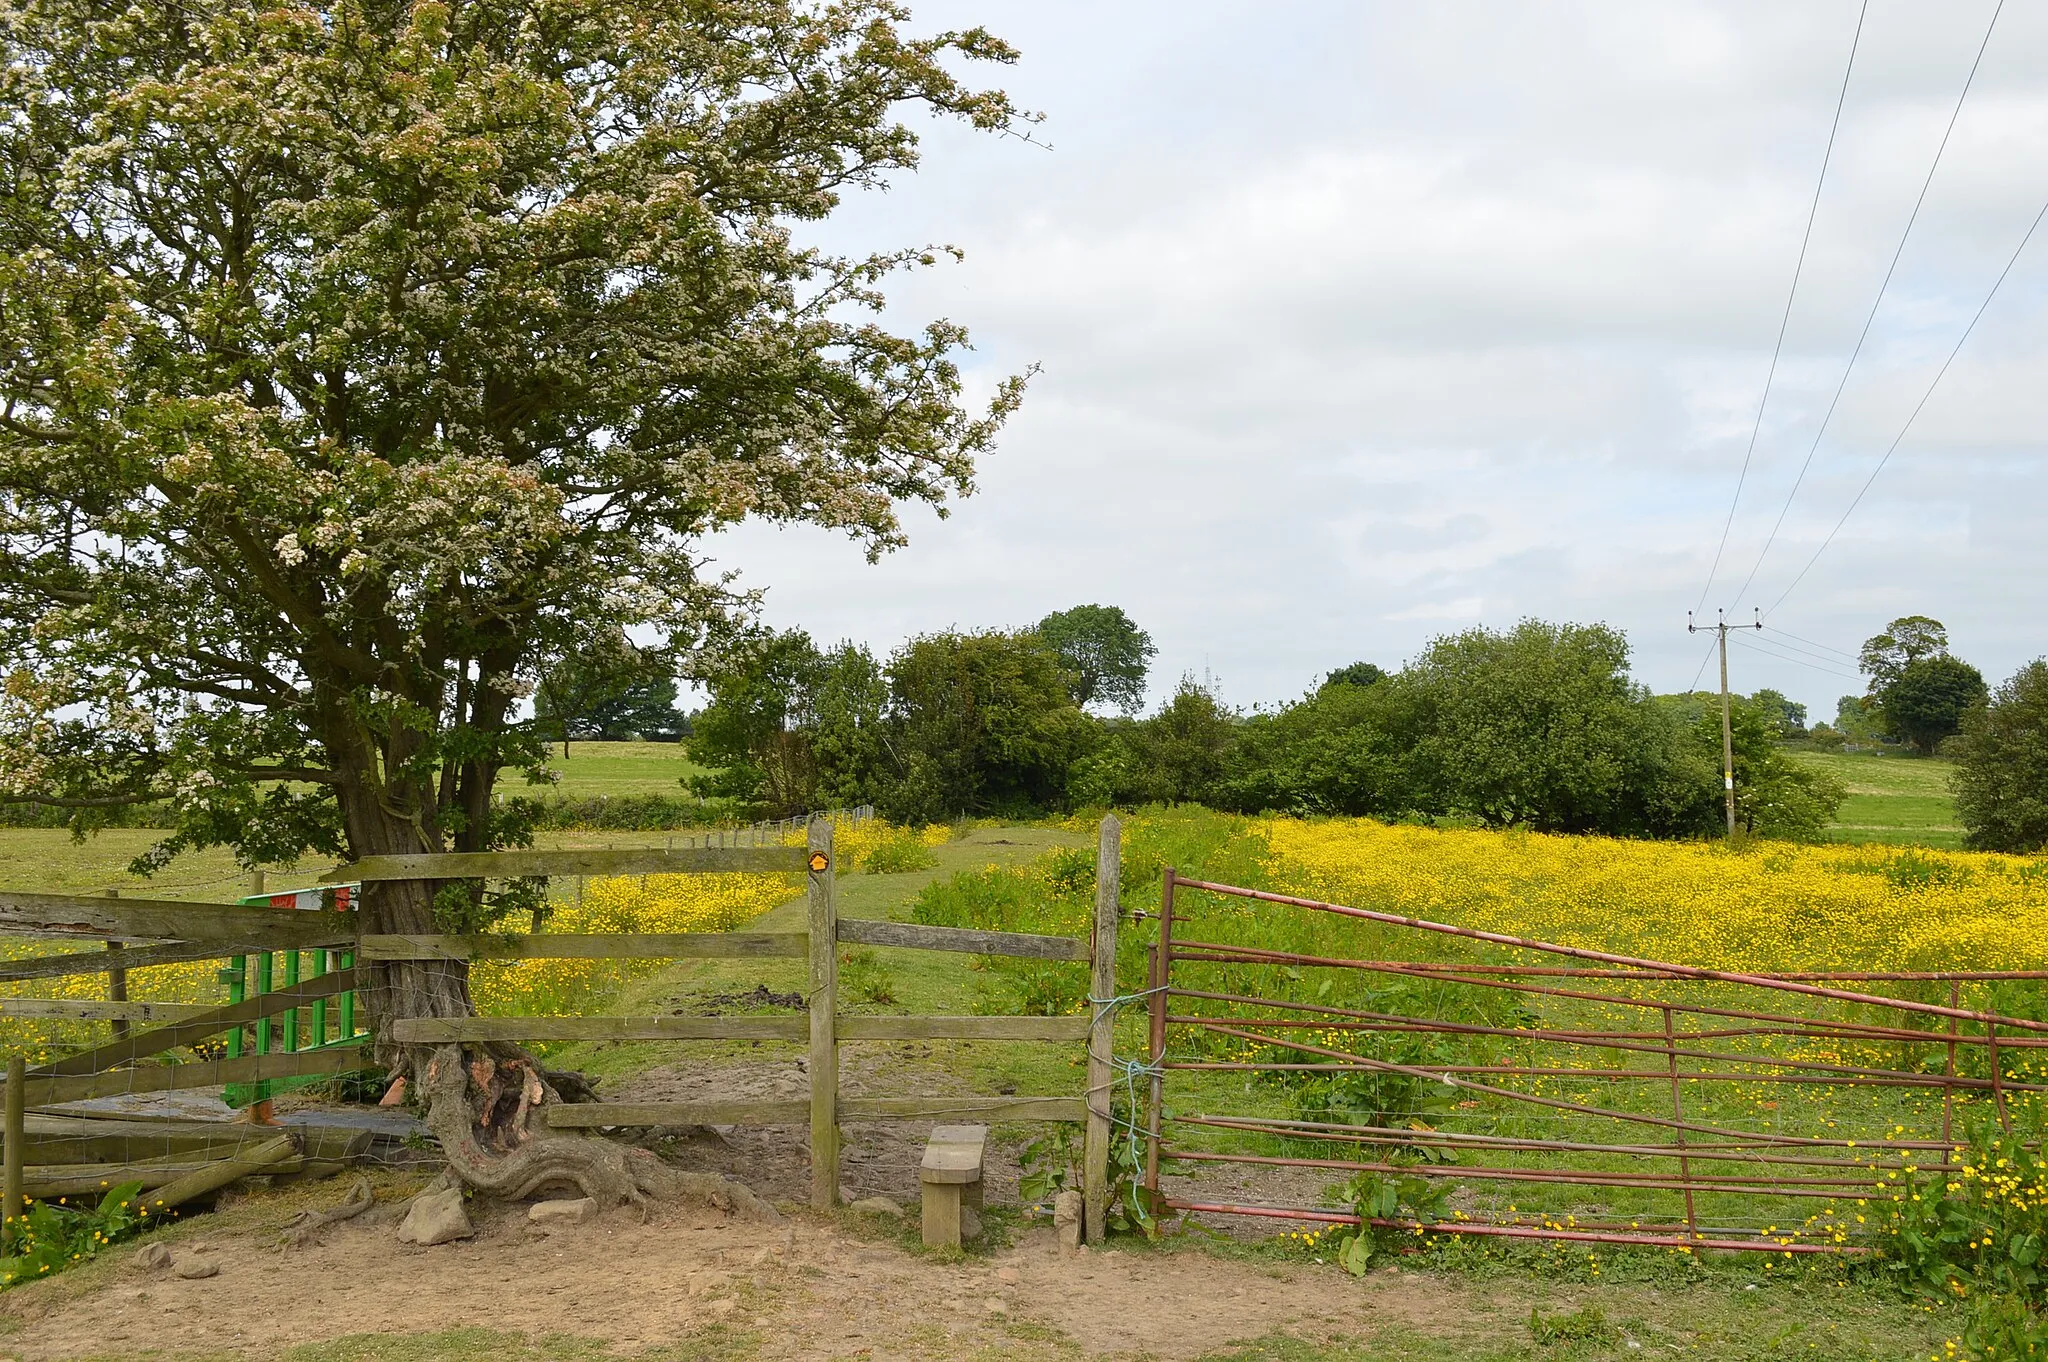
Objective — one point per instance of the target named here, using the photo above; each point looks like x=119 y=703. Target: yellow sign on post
x=819 y=860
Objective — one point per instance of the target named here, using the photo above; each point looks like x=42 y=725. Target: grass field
x=621 y=768
x=1897 y=799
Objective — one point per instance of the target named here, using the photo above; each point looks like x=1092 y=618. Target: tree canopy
x=1927 y=700
x=366 y=358
x=1903 y=642
x=611 y=692
x=2001 y=780
x=1357 y=674
x=1106 y=653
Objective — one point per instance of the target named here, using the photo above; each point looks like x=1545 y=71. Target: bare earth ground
x=813 y=1287
x=806 y=1289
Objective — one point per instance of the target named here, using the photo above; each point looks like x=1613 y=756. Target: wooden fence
x=191 y=931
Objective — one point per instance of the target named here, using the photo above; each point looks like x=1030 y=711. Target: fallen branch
x=304 y=1228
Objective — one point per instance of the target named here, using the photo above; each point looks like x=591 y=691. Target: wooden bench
x=950 y=1177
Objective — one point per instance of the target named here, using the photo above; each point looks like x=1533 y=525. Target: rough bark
x=485 y=1103
x=489 y=1115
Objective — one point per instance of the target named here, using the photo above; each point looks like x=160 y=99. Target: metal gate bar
x=1790 y=1166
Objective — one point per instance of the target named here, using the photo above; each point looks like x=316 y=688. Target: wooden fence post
x=824 y=1061
x=117 y=982
x=1102 y=1031
x=17 y=1138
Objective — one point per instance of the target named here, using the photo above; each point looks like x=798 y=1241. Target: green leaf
x=1356 y=1255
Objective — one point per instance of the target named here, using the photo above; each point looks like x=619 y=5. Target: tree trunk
x=487 y=1104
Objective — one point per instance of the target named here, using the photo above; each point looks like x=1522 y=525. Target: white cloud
x=1360 y=323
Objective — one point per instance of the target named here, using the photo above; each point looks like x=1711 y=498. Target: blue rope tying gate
x=1128 y=1071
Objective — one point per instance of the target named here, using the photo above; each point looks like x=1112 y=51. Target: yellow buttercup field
x=1764 y=907
x=627 y=903
x=658 y=904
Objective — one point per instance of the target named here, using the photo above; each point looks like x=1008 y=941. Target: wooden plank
x=209 y=1074
x=963 y=1028
x=588 y=946
x=990 y=1108
x=207 y=1023
x=265 y=1158
x=86 y=1009
x=506 y=865
x=436 y=1030
x=824 y=1061
x=953 y=1154
x=916 y=936
x=220 y=924
x=792 y=1111
x=112 y=1141
x=106 y=961
x=92 y=1179
x=1102 y=1032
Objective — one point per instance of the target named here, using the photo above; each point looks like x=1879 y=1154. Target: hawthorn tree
x=363 y=358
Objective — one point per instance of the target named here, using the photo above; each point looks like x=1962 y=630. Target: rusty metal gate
x=1497 y=1086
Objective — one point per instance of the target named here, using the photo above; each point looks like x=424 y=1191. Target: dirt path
x=808 y=1289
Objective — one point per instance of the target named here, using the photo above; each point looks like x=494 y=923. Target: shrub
x=54 y=1234
x=626 y=813
x=898 y=856
x=2001 y=781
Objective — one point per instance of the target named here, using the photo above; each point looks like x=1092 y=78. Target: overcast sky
x=1360 y=324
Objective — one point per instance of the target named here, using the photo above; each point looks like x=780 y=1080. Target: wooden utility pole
x=1721 y=628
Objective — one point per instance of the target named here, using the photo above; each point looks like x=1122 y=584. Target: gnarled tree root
x=488 y=1114
x=304 y=1228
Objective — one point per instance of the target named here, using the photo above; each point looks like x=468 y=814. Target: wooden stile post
x=1102 y=1032
x=117 y=982
x=824 y=1062
x=17 y=1139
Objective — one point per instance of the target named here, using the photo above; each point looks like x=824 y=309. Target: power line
x=1812 y=211
x=1857 y=658
x=2033 y=227
x=1817 y=657
x=1704 y=660
x=1795 y=661
x=1875 y=303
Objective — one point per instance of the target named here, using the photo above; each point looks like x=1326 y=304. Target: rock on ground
x=1066 y=1218
x=545 y=1212
x=193 y=1266
x=436 y=1218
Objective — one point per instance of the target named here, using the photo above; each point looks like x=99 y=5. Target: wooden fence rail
x=588 y=946
x=508 y=865
x=200 y=931
x=443 y=1030
x=226 y=927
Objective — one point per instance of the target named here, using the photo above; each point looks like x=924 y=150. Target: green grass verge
x=1899 y=800
x=616 y=768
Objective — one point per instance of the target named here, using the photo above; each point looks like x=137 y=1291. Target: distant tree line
x=1539 y=727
